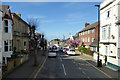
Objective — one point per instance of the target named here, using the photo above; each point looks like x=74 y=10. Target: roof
x=20 y=18
x=90 y=27
x=94 y=43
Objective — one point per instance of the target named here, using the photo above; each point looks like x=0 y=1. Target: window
x=92 y=39
x=109 y=32
x=83 y=33
x=83 y=39
x=0 y=23
x=88 y=31
x=108 y=14
x=6 y=26
x=10 y=45
x=10 y=26
x=104 y=32
x=88 y=39
x=25 y=44
x=92 y=30
x=6 y=22
x=119 y=31
x=6 y=45
x=106 y=50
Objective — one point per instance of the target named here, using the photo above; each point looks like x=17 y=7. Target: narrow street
x=64 y=66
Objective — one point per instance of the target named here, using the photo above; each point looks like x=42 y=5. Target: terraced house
x=20 y=32
x=110 y=32
x=89 y=36
x=5 y=33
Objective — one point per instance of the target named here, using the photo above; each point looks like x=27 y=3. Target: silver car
x=52 y=53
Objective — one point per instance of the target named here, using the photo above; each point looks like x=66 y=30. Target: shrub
x=85 y=50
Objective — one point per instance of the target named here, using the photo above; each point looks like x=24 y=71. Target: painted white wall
x=109 y=22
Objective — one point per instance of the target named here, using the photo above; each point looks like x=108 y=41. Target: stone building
x=20 y=31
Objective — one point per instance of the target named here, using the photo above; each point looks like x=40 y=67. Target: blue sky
x=57 y=18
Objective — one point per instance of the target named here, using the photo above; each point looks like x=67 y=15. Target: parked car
x=71 y=52
x=52 y=53
x=65 y=50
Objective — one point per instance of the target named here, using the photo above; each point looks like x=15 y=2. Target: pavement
x=27 y=70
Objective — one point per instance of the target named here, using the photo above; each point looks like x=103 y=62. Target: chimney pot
x=86 y=24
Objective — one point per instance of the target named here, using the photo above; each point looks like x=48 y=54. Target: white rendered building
x=110 y=32
x=5 y=33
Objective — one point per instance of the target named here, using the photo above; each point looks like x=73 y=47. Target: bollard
x=100 y=62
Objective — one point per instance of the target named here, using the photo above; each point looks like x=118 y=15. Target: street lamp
x=98 y=62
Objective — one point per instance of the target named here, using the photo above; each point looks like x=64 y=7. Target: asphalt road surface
x=64 y=66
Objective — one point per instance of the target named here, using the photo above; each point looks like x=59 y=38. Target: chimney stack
x=19 y=14
x=86 y=24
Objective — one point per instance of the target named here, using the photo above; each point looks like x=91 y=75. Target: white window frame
x=104 y=33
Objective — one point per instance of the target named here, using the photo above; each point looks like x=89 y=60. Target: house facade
x=20 y=31
x=110 y=32
x=5 y=33
x=89 y=36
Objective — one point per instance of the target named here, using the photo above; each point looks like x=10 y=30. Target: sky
x=57 y=18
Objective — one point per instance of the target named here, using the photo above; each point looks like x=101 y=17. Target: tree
x=33 y=23
x=73 y=43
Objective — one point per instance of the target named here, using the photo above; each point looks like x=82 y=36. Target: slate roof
x=90 y=27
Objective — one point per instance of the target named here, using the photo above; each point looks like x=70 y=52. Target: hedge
x=85 y=50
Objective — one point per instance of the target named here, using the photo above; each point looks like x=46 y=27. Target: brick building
x=89 y=36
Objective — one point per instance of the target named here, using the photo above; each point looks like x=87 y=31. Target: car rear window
x=72 y=50
x=51 y=51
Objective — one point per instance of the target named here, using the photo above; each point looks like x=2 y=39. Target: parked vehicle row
x=68 y=51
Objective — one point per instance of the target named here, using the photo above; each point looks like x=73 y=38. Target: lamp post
x=98 y=62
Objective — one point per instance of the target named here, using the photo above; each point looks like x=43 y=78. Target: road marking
x=83 y=72
x=97 y=68
x=60 y=59
x=64 y=69
x=39 y=69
